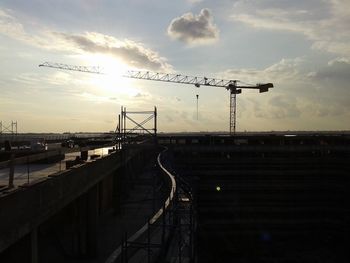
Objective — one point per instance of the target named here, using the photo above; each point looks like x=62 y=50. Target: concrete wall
x=72 y=200
x=275 y=203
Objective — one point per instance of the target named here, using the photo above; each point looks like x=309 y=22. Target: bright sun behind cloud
x=111 y=81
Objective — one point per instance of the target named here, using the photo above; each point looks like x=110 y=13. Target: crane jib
x=197 y=81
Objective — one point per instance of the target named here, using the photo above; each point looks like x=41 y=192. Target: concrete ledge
x=23 y=210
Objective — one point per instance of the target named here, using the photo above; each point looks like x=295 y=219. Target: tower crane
x=231 y=85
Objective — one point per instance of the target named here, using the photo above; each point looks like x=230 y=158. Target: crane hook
x=197 y=105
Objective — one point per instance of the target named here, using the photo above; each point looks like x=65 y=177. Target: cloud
x=142 y=95
x=333 y=81
x=285 y=69
x=325 y=23
x=338 y=69
x=10 y=26
x=132 y=53
x=318 y=99
x=194 y=1
x=34 y=79
x=194 y=29
x=284 y=107
x=94 y=98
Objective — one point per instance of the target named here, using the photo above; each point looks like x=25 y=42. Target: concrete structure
x=69 y=202
x=268 y=198
x=258 y=198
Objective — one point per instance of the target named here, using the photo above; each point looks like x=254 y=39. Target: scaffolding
x=9 y=128
x=171 y=237
x=139 y=130
x=169 y=234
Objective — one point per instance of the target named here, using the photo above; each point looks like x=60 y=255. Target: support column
x=82 y=226
x=85 y=237
x=84 y=155
x=92 y=221
x=34 y=245
x=12 y=170
x=117 y=192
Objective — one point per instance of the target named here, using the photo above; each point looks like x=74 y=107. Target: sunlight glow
x=112 y=81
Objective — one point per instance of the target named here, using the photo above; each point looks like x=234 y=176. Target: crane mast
x=231 y=85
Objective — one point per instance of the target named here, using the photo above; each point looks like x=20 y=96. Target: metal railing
x=51 y=136
x=142 y=238
x=166 y=229
x=23 y=170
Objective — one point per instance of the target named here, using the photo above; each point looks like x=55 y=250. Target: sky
x=302 y=47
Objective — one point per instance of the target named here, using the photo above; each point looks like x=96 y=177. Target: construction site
x=184 y=131
x=184 y=198
x=137 y=195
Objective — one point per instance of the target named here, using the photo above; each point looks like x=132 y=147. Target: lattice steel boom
x=95 y=70
x=231 y=85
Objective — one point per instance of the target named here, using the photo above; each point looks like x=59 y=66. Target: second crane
x=231 y=85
